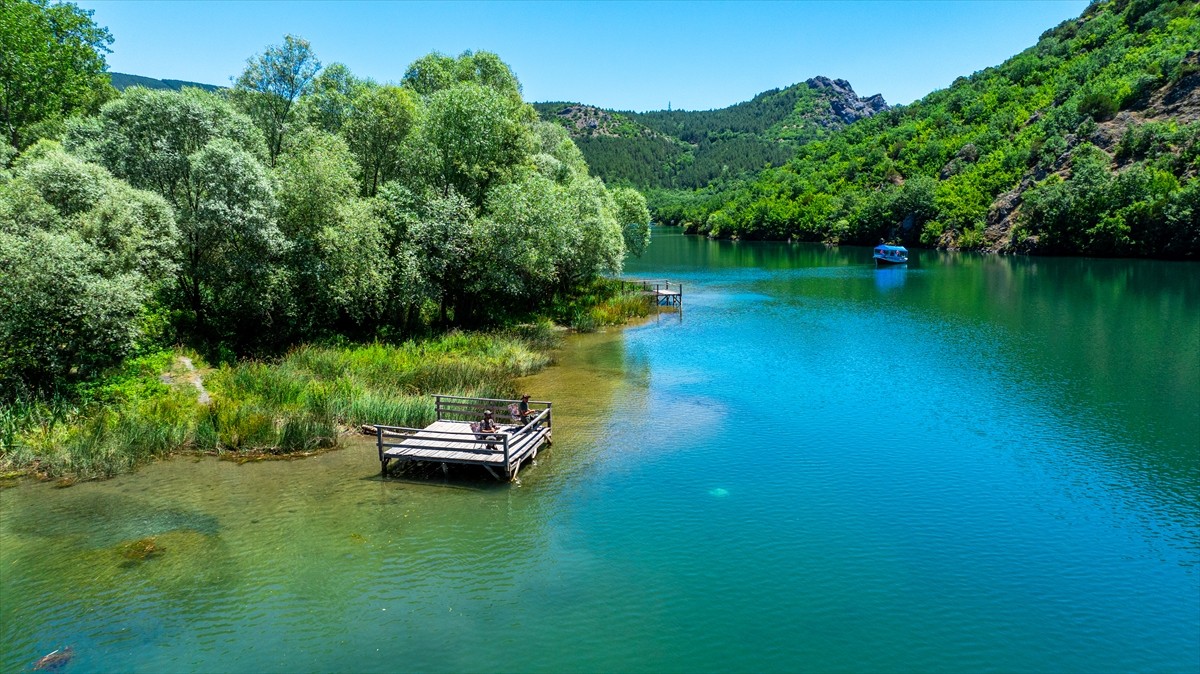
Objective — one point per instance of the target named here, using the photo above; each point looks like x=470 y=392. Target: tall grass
x=296 y=404
x=604 y=302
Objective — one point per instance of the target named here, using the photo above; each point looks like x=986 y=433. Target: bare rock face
x=1179 y=100
x=586 y=120
x=845 y=104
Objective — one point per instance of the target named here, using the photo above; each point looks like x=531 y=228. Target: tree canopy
x=303 y=204
x=52 y=66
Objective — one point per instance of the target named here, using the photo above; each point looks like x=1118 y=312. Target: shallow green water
x=972 y=464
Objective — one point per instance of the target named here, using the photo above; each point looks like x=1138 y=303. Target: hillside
x=688 y=149
x=1085 y=143
x=122 y=81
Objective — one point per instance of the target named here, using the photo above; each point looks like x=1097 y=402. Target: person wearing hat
x=523 y=409
x=486 y=425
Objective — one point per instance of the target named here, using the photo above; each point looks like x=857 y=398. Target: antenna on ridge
x=668 y=106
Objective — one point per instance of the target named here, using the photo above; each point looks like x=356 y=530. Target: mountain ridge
x=122 y=81
x=1085 y=143
x=687 y=149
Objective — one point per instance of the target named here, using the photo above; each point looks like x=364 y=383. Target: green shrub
x=971 y=239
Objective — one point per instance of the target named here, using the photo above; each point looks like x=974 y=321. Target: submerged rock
x=54 y=661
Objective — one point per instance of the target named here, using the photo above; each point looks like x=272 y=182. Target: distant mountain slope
x=689 y=149
x=122 y=81
x=1086 y=143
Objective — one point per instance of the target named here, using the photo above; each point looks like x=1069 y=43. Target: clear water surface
x=969 y=464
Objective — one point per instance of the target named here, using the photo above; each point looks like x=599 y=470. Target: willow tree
x=379 y=121
x=81 y=254
x=333 y=284
x=436 y=71
x=330 y=98
x=475 y=137
x=204 y=157
x=272 y=82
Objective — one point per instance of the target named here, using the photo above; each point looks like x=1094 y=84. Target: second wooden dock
x=662 y=292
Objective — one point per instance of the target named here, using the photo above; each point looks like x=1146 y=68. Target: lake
x=974 y=463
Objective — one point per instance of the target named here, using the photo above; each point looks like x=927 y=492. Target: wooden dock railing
x=451 y=439
x=661 y=291
x=458 y=408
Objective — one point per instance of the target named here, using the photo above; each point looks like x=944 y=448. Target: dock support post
x=379 y=444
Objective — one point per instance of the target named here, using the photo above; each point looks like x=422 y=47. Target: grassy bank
x=300 y=403
x=603 y=302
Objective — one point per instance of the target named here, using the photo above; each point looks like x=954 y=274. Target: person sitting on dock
x=488 y=424
x=523 y=409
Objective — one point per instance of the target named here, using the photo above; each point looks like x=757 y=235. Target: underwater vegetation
x=141 y=549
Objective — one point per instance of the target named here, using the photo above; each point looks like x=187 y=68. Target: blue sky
x=622 y=55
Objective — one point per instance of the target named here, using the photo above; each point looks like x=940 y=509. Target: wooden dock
x=450 y=439
x=661 y=292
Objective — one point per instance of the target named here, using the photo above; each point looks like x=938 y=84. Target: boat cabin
x=887 y=254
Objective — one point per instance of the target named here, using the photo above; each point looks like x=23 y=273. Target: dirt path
x=194 y=377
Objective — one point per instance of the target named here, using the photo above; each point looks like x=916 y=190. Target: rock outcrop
x=1178 y=101
x=846 y=105
x=587 y=120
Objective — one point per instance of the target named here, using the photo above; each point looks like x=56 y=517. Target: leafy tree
x=430 y=73
x=80 y=255
x=330 y=99
x=634 y=218
x=328 y=229
x=593 y=242
x=272 y=82
x=357 y=288
x=203 y=157
x=474 y=138
x=530 y=220
x=438 y=230
x=1098 y=105
x=379 y=121
x=51 y=65
x=231 y=275
x=146 y=137
x=134 y=229
x=65 y=316
x=560 y=159
x=435 y=72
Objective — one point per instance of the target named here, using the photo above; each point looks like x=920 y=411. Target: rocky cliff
x=845 y=106
x=1177 y=101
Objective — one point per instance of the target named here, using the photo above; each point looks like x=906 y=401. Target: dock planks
x=451 y=440
x=660 y=291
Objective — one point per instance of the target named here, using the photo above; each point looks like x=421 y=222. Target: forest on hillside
x=689 y=149
x=303 y=203
x=1085 y=143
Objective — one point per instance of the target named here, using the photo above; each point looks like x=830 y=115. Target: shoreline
x=299 y=405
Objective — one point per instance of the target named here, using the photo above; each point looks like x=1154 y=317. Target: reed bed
x=299 y=403
x=605 y=302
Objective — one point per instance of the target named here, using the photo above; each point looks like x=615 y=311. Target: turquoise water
x=972 y=464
